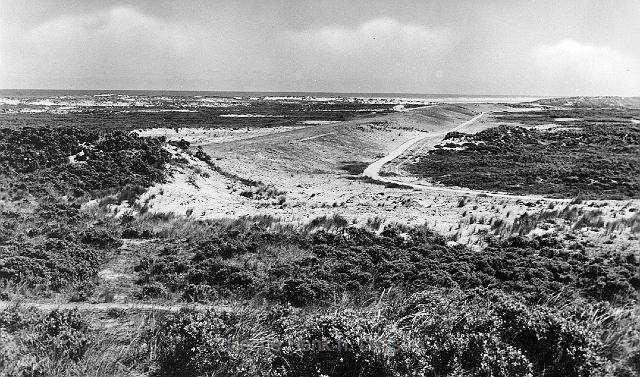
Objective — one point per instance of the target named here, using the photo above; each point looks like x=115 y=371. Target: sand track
x=316 y=170
x=373 y=170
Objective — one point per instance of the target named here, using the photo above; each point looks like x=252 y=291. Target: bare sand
x=203 y=136
x=306 y=163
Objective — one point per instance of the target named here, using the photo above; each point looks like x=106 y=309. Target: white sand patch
x=524 y=109
x=283 y=98
x=566 y=119
x=558 y=129
x=457 y=144
x=552 y=127
x=8 y=101
x=109 y=274
x=311 y=122
x=33 y=111
x=542 y=127
x=203 y=136
x=250 y=116
x=192 y=190
x=160 y=111
x=215 y=102
x=187 y=193
x=43 y=102
x=74 y=158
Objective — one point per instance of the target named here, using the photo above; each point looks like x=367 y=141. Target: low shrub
x=327 y=259
x=36 y=344
x=493 y=333
x=192 y=343
x=450 y=333
x=49 y=241
x=595 y=159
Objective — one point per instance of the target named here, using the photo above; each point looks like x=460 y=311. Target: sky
x=488 y=47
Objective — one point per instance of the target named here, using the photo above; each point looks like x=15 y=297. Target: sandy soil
x=307 y=164
x=201 y=136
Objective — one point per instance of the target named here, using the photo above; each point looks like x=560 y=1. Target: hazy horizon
x=499 y=47
x=106 y=91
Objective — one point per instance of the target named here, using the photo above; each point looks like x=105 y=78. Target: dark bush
x=33 y=343
x=63 y=334
x=492 y=333
x=64 y=244
x=334 y=345
x=474 y=333
x=595 y=158
x=322 y=265
x=191 y=343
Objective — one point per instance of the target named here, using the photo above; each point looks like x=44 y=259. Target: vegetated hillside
x=435 y=332
x=596 y=160
x=398 y=303
x=320 y=299
x=46 y=241
x=309 y=267
x=593 y=102
x=79 y=162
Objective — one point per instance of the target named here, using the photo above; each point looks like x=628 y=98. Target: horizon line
x=278 y=91
x=323 y=92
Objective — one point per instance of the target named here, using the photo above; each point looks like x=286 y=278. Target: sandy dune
x=307 y=164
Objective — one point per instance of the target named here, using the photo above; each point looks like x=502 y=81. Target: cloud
x=382 y=48
x=124 y=47
x=121 y=39
x=586 y=69
x=236 y=47
x=119 y=25
x=375 y=37
x=120 y=46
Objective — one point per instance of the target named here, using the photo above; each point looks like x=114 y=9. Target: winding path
x=373 y=170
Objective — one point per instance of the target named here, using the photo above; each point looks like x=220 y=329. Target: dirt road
x=373 y=170
x=430 y=140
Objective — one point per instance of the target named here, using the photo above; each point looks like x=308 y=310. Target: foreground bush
x=192 y=343
x=492 y=333
x=441 y=332
x=35 y=344
x=436 y=333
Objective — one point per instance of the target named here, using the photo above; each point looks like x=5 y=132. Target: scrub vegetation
x=47 y=241
x=256 y=296
x=595 y=157
x=321 y=262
